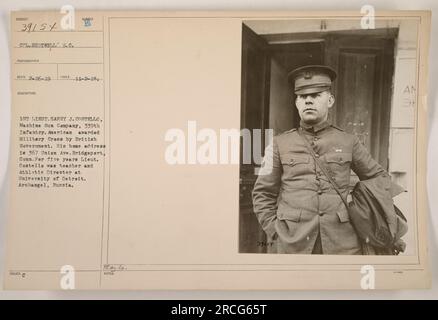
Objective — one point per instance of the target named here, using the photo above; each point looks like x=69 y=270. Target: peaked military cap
x=311 y=79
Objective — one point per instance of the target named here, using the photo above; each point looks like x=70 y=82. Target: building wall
x=402 y=151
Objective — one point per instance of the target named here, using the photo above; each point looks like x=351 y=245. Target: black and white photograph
x=219 y=150
x=335 y=102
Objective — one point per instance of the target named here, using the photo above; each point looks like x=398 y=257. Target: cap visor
x=311 y=90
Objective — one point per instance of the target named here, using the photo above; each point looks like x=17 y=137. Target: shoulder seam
x=336 y=127
x=288 y=131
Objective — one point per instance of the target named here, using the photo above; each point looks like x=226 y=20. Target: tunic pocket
x=295 y=165
x=339 y=158
x=338 y=165
x=285 y=212
x=291 y=159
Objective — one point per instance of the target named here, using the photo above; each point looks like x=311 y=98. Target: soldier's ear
x=294 y=100
x=331 y=100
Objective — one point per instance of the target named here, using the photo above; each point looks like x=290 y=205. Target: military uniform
x=296 y=204
x=294 y=201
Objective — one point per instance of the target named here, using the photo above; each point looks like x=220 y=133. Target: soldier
x=294 y=201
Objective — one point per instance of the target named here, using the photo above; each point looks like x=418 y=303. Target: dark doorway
x=364 y=61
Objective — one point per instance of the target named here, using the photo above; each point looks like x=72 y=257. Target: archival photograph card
x=218 y=150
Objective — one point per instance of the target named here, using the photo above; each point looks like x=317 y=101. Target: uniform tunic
x=295 y=203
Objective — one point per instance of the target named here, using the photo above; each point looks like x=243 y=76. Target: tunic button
x=320 y=192
x=321 y=213
x=317 y=155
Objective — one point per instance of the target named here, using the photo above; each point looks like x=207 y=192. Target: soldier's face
x=313 y=108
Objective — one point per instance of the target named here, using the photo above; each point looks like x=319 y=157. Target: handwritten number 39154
x=32 y=27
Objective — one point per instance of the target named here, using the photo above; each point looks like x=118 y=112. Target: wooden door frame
x=263 y=47
x=382 y=44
